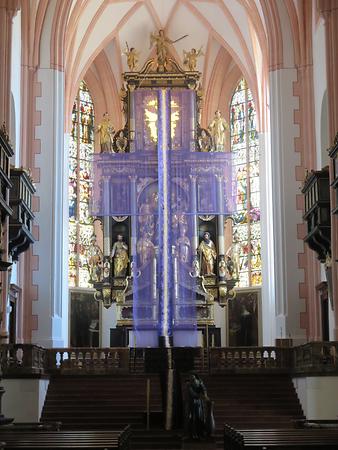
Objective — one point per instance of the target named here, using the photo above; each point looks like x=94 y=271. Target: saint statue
x=200 y=422
x=208 y=255
x=217 y=128
x=232 y=255
x=106 y=131
x=190 y=58
x=120 y=255
x=204 y=142
x=161 y=41
x=132 y=58
x=95 y=261
x=145 y=249
x=121 y=142
x=183 y=246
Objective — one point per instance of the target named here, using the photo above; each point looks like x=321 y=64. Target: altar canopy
x=164 y=183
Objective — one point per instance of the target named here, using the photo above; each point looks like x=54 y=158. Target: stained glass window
x=81 y=148
x=245 y=151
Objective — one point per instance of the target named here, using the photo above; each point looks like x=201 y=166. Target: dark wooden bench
x=278 y=439
x=46 y=440
x=32 y=426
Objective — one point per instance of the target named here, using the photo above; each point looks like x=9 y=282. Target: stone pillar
x=8 y=9
x=50 y=276
x=285 y=215
x=329 y=10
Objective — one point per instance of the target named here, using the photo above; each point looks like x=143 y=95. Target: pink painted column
x=329 y=10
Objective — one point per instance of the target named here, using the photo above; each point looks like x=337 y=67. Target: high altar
x=162 y=188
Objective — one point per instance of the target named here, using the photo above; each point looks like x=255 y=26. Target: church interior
x=169 y=224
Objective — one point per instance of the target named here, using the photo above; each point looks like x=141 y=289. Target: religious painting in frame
x=244 y=318
x=85 y=320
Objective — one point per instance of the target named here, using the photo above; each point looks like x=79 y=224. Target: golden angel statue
x=218 y=128
x=162 y=42
x=119 y=254
x=190 y=58
x=132 y=57
x=208 y=255
x=106 y=131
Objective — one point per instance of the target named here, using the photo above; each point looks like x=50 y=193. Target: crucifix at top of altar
x=162 y=187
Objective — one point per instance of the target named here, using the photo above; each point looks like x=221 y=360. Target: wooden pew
x=278 y=439
x=32 y=426
x=46 y=440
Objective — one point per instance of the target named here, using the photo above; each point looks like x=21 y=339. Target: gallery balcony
x=21 y=221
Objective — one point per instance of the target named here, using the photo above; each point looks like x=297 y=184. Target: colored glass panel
x=81 y=149
x=245 y=151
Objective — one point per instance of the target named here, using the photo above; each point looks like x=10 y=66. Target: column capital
x=10 y=5
x=325 y=7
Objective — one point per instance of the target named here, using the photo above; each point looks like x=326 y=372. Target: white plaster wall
x=320 y=86
x=24 y=398
x=51 y=276
x=285 y=216
x=108 y=321
x=15 y=128
x=318 y=397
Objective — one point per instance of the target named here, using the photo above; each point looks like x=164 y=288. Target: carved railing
x=316 y=358
x=31 y=360
x=86 y=360
x=253 y=359
x=22 y=359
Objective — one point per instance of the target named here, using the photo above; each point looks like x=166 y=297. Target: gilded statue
x=95 y=261
x=232 y=255
x=145 y=249
x=208 y=255
x=183 y=246
x=121 y=142
x=218 y=128
x=106 y=132
x=190 y=58
x=120 y=256
x=204 y=142
x=162 y=42
x=132 y=57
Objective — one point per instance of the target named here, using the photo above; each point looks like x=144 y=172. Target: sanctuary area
x=168 y=232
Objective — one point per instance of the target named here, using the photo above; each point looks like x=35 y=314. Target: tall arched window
x=81 y=148
x=245 y=151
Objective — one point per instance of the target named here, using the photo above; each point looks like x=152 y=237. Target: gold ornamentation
x=132 y=57
x=190 y=58
x=217 y=129
x=106 y=131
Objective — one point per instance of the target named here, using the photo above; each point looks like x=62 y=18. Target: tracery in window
x=245 y=151
x=81 y=148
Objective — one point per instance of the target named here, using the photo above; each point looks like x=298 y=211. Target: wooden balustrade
x=88 y=360
x=22 y=359
x=249 y=359
x=316 y=357
x=28 y=359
